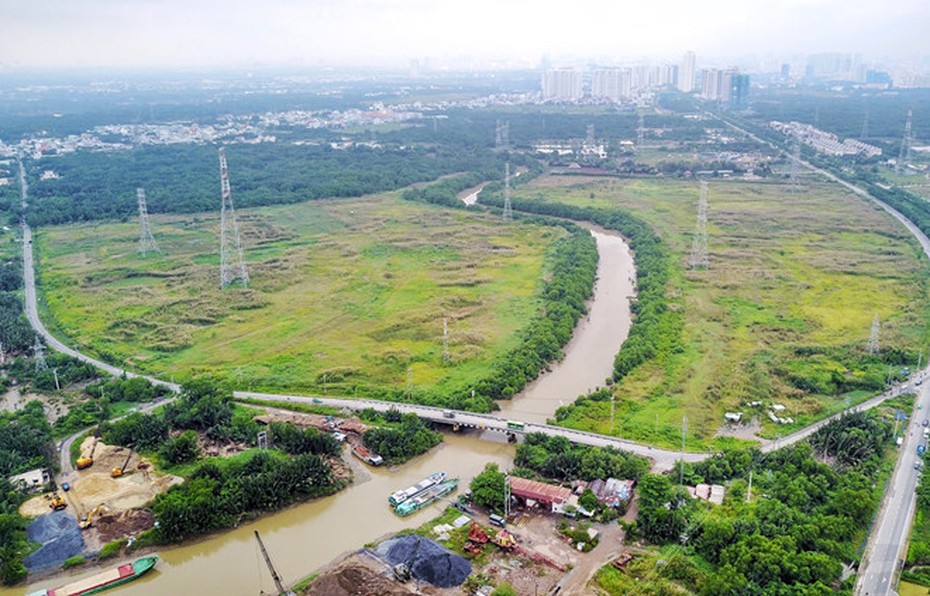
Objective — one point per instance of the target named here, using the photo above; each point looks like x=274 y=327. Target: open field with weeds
x=783 y=314
x=344 y=296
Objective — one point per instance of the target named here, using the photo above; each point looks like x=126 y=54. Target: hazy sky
x=195 y=33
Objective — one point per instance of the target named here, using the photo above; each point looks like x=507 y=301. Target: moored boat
x=104 y=580
x=400 y=496
x=426 y=497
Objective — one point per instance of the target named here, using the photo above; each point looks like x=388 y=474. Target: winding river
x=306 y=537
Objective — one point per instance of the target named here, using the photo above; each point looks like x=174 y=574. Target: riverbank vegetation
x=782 y=315
x=25 y=444
x=804 y=520
x=398 y=437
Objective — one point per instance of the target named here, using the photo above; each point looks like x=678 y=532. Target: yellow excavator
x=86 y=462
x=117 y=472
x=88 y=519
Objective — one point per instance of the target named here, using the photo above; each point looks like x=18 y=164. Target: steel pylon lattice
x=872 y=346
x=146 y=240
x=901 y=166
x=232 y=261
x=699 y=257
x=38 y=352
x=508 y=210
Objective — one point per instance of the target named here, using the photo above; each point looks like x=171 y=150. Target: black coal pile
x=60 y=537
x=427 y=560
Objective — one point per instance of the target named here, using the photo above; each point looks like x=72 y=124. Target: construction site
x=105 y=494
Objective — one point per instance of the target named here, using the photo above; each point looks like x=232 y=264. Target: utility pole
x=232 y=261
x=612 y=398
x=57 y=385
x=506 y=496
x=681 y=462
x=749 y=492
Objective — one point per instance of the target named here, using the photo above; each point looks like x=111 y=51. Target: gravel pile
x=60 y=537
x=427 y=560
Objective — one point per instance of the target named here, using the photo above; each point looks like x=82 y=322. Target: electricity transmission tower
x=699 y=258
x=794 y=182
x=865 y=124
x=872 y=346
x=38 y=351
x=904 y=156
x=146 y=240
x=641 y=131
x=589 y=137
x=502 y=136
x=445 y=340
x=508 y=210
x=232 y=263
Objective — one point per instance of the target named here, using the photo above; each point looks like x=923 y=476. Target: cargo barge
x=104 y=580
x=426 y=497
x=367 y=456
x=402 y=495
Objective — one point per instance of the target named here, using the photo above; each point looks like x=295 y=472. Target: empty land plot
x=343 y=295
x=782 y=315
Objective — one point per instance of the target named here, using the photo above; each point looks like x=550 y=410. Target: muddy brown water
x=589 y=356
x=306 y=537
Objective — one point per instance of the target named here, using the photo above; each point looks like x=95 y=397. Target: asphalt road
x=892 y=525
x=884 y=550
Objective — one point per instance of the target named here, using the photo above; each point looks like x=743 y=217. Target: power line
x=38 y=352
x=146 y=240
x=872 y=346
x=232 y=261
x=904 y=156
x=699 y=257
x=508 y=210
x=794 y=181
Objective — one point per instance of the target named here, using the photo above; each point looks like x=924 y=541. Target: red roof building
x=547 y=494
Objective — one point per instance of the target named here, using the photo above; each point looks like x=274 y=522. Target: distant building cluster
x=634 y=83
x=725 y=86
x=825 y=142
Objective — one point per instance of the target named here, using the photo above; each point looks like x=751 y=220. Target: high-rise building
x=562 y=84
x=686 y=73
x=739 y=91
x=611 y=83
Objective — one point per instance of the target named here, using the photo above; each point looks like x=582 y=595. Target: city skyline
x=378 y=33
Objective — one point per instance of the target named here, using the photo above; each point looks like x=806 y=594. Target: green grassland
x=345 y=296
x=782 y=315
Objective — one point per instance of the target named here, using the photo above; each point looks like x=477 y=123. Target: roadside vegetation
x=25 y=444
x=805 y=518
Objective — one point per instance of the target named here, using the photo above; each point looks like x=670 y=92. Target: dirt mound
x=138 y=485
x=427 y=560
x=351 y=579
x=122 y=525
x=59 y=536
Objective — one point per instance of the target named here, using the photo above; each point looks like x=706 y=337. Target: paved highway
x=880 y=562
x=892 y=525
x=664 y=459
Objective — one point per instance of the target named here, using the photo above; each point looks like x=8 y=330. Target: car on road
x=925 y=422
x=916 y=465
x=65 y=486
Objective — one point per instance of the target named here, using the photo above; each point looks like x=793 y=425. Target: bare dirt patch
x=361 y=574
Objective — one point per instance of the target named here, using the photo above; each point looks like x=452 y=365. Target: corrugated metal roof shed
x=540 y=491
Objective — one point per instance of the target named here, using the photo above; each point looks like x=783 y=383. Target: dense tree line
x=295 y=441
x=15 y=333
x=25 y=444
x=222 y=496
x=559 y=459
x=406 y=436
x=184 y=178
x=804 y=520
x=68 y=370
